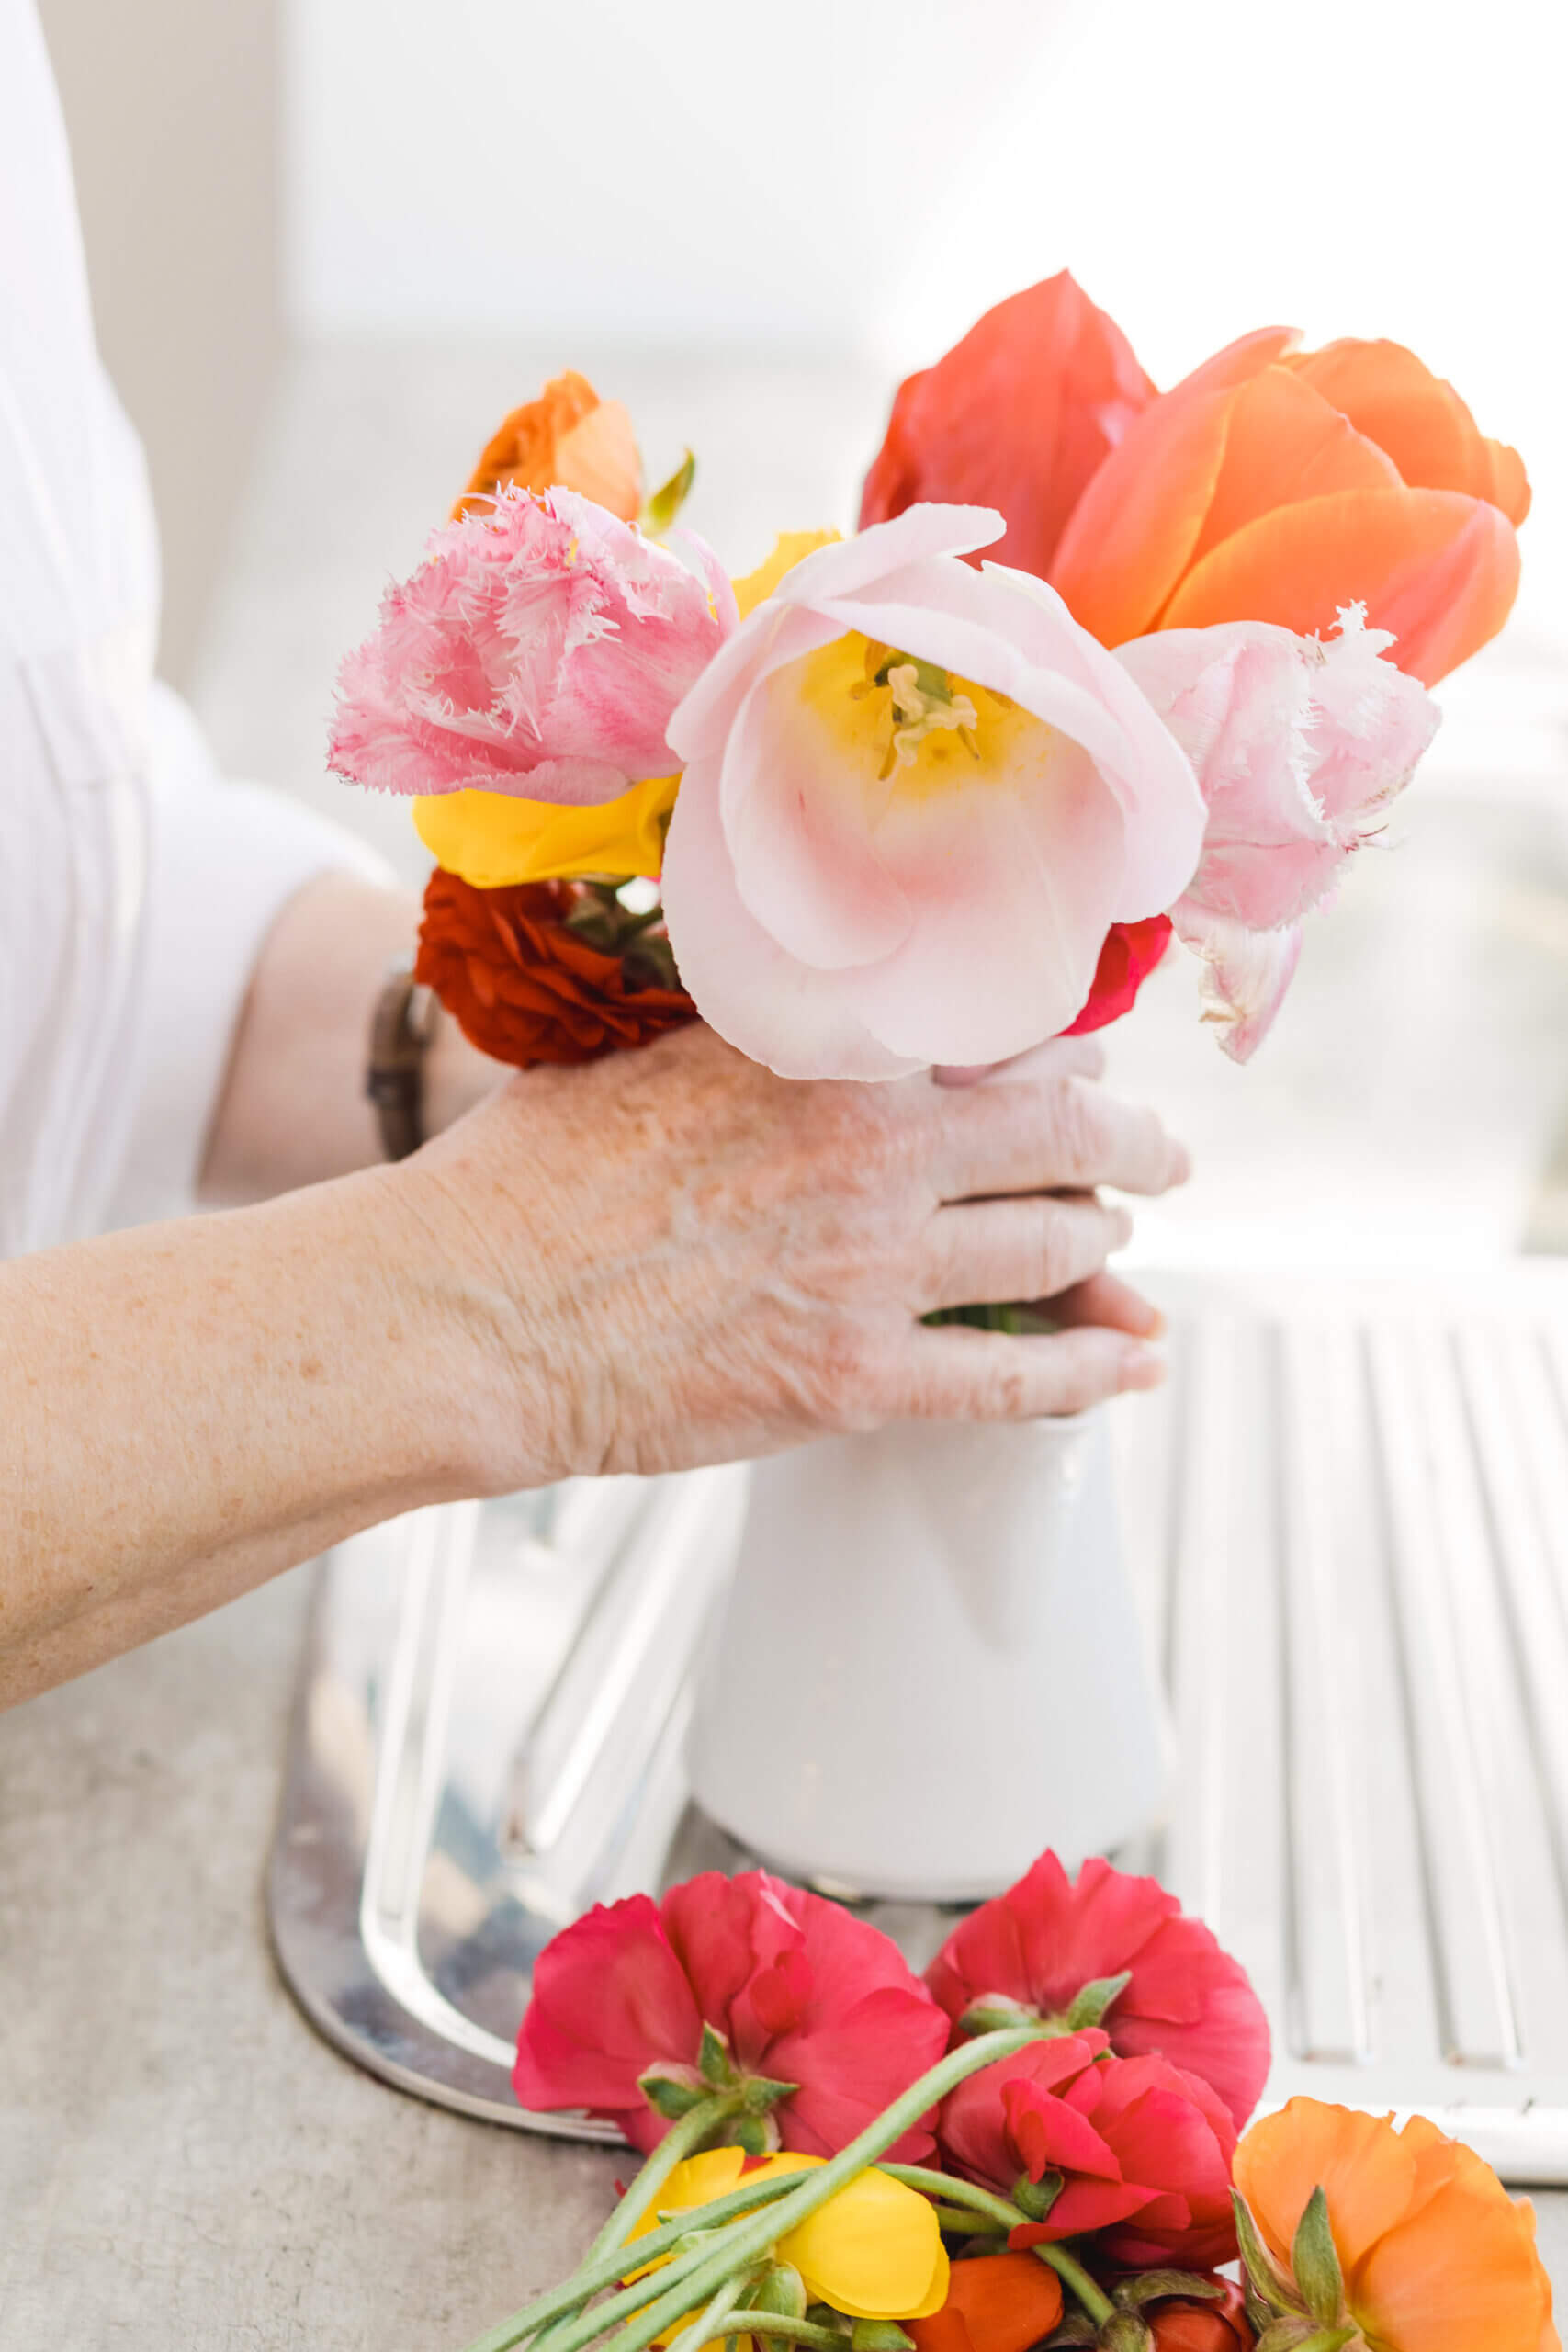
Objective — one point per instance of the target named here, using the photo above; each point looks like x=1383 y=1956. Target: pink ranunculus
x=1300 y=746
x=916 y=796
x=1040 y=1944
x=804 y=1992
x=1143 y=2151
x=539 y=649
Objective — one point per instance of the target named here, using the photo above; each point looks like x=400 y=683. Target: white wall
x=874 y=172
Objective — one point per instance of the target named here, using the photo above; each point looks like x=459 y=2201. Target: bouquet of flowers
x=1101 y=666
x=1035 y=2144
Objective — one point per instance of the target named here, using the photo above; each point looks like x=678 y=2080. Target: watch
x=400 y=1030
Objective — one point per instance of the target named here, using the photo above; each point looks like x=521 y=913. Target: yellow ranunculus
x=492 y=839
x=789 y=549
x=873 y=2251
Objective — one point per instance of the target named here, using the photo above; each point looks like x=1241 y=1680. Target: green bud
x=1293 y=2334
x=879 y=2336
x=669 y=498
x=781 y=2288
x=1034 y=2199
x=1315 y=2259
x=1090 y=2001
x=757 y=2135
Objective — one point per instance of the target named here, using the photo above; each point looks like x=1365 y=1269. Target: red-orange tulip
x=1277 y=485
x=1018 y=416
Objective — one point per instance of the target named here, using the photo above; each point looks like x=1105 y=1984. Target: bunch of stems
x=712 y=2255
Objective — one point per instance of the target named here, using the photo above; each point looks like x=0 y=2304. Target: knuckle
x=1079 y=1128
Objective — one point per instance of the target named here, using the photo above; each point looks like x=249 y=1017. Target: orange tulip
x=996 y=2302
x=567 y=439
x=1277 y=485
x=1435 y=2256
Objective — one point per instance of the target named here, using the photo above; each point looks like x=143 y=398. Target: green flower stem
x=951 y=2219
x=787 y=2331
x=603 y=2264
x=1072 y=2274
x=1007 y=2216
x=680 y=2142
x=998 y=2212
x=715 y=2319
x=746 y=2242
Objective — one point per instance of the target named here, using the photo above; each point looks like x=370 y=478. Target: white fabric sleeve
x=224 y=861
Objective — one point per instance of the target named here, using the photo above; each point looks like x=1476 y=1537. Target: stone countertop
x=182 y=2161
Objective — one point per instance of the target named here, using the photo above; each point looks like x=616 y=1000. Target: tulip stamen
x=924 y=704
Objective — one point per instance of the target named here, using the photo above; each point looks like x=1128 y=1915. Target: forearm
x=186 y=1408
x=293 y=1108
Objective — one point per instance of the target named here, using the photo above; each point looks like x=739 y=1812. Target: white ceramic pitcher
x=930 y=1665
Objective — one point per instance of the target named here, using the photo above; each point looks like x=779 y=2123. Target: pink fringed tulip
x=1299 y=746
x=539 y=650
x=1036 y=1948
x=916 y=796
x=804 y=1994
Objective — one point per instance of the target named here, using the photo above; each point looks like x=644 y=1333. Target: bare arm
x=293 y=1108
x=668 y=1258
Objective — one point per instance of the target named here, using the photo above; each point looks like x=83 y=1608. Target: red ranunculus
x=1018 y=416
x=1144 y=2150
x=1041 y=1942
x=1129 y=954
x=804 y=1992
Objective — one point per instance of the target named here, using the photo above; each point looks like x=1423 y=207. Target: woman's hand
x=677 y=1257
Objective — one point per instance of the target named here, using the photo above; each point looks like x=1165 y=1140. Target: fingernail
x=1156 y=1325
x=1122 y=1219
x=1180 y=1163
x=1141 y=1367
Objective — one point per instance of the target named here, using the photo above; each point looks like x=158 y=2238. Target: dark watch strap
x=400 y=1030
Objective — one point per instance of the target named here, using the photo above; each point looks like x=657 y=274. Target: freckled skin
x=668 y=1258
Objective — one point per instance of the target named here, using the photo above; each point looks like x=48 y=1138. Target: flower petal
x=1018 y=416
x=495 y=839
x=1418 y=418
x=1437 y=570
x=1001 y=2302
x=761 y=1000
x=1365 y=2171
x=609 y=1997
x=1460 y=2273
x=1133 y=532
x=1285 y=443
x=873 y=2251
x=1248 y=973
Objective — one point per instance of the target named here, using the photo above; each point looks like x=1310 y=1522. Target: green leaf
x=1091 y=2000
x=880 y=2335
x=1314 y=2258
x=714 y=2062
x=1269 y=2282
x=672 y=2094
x=1149 y=2286
x=759 y=2094
x=669 y=498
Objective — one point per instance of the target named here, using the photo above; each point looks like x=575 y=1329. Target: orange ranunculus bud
x=567 y=439
x=1018 y=416
x=1187 y=2324
x=1434 y=2255
x=1276 y=485
x=998 y=2302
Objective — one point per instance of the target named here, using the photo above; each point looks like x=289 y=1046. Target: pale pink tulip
x=539 y=650
x=916 y=798
x=1299 y=745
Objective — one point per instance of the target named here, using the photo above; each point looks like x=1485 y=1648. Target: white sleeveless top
x=136 y=887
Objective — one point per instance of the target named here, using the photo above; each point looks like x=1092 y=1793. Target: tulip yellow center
x=909 y=723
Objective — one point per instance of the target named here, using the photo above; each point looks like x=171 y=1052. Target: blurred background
x=333 y=240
